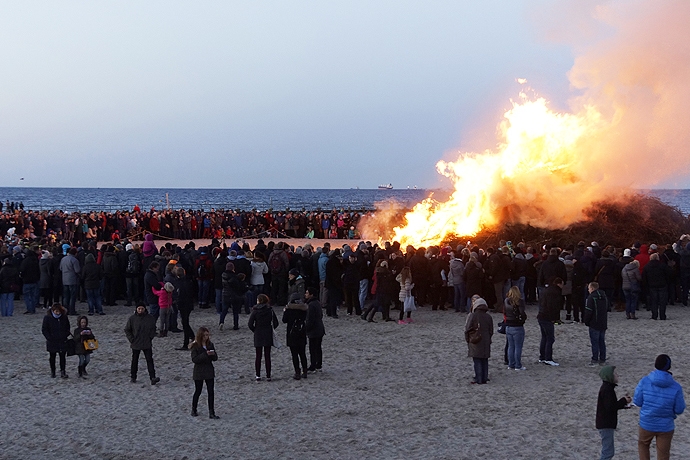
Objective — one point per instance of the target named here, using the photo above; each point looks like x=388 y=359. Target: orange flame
x=534 y=177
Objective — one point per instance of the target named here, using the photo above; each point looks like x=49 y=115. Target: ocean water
x=110 y=199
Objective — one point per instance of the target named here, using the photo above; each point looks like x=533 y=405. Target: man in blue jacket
x=660 y=399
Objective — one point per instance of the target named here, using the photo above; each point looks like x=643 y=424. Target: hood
x=148 y=237
x=552 y=258
x=606 y=373
x=323 y=256
x=297 y=306
x=630 y=267
x=89 y=259
x=661 y=379
x=480 y=304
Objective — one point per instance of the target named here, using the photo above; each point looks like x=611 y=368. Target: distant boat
x=386 y=187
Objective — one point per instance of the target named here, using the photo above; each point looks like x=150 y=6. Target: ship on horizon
x=388 y=186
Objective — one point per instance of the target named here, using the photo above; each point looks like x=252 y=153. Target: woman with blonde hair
x=514 y=317
x=203 y=355
x=405 y=295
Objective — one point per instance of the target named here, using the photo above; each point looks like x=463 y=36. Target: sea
x=111 y=199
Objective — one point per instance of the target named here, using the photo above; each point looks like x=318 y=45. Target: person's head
x=229 y=267
x=169 y=287
x=654 y=256
x=83 y=322
x=309 y=293
x=663 y=363
x=203 y=335
x=514 y=295
x=73 y=251
x=593 y=286
x=608 y=374
x=293 y=273
x=179 y=272
x=154 y=266
x=261 y=299
x=141 y=309
x=57 y=309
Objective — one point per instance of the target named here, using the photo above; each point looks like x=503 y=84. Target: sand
x=386 y=391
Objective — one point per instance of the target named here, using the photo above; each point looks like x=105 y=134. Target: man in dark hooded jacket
x=140 y=331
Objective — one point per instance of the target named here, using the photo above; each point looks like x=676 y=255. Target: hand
x=628 y=399
x=210 y=352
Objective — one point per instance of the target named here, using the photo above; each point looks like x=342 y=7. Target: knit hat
x=626 y=253
x=129 y=247
x=606 y=373
x=294 y=272
x=230 y=267
x=663 y=362
x=169 y=287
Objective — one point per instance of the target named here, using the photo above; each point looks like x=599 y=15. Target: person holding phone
x=203 y=355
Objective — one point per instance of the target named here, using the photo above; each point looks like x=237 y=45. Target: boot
x=83 y=370
x=194 y=412
x=632 y=316
x=213 y=416
x=64 y=375
x=80 y=371
x=52 y=374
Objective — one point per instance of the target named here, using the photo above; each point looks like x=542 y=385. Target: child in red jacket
x=165 y=300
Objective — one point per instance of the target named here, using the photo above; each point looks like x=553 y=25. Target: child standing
x=165 y=300
x=607 y=410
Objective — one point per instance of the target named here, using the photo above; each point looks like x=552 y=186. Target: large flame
x=527 y=179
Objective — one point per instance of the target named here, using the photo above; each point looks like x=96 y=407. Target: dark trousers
x=109 y=293
x=148 y=354
x=598 y=340
x=481 y=369
x=198 y=386
x=684 y=286
x=315 y=352
x=352 y=299
x=299 y=353
x=186 y=328
x=63 y=360
x=279 y=289
x=578 y=299
x=334 y=300
x=656 y=301
x=47 y=294
x=133 y=289
x=257 y=361
x=547 y=340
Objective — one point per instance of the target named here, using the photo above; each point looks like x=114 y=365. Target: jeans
x=148 y=354
x=31 y=296
x=84 y=359
x=516 y=337
x=656 y=301
x=547 y=340
x=154 y=310
x=607 y=449
x=204 y=286
x=631 y=298
x=481 y=369
x=520 y=283
x=164 y=319
x=459 y=301
x=7 y=303
x=69 y=297
x=236 y=305
x=663 y=444
x=93 y=297
x=597 y=338
x=363 y=289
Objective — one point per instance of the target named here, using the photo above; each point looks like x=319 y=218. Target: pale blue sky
x=259 y=94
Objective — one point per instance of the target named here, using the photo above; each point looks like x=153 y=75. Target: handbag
x=502 y=327
x=90 y=345
x=408 y=305
x=475 y=335
x=70 y=347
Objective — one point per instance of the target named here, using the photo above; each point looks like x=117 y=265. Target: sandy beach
x=386 y=391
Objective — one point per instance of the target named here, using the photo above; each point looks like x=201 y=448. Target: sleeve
x=621 y=403
x=679 y=406
x=275 y=319
x=285 y=317
x=251 y=324
x=199 y=355
x=128 y=331
x=45 y=329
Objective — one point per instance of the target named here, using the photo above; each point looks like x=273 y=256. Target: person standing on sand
x=262 y=321
x=140 y=331
x=185 y=303
x=550 y=303
x=203 y=355
x=81 y=333
x=151 y=281
x=294 y=315
x=55 y=329
x=661 y=400
x=480 y=352
x=514 y=316
x=607 y=410
x=314 y=328
x=596 y=319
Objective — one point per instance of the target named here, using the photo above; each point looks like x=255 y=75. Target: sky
x=224 y=94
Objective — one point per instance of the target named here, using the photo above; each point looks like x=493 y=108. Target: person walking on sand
x=405 y=296
x=140 y=331
x=55 y=329
x=480 y=351
x=661 y=400
x=314 y=328
x=262 y=321
x=203 y=355
x=82 y=333
x=607 y=410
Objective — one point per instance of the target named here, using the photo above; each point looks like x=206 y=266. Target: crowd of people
x=167 y=281
x=77 y=227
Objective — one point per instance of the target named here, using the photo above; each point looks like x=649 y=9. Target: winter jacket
x=185 y=295
x=334 y=274
x=259 y=269
x=111 y=266
x=293 y=313
x=596 y=311
x=79 y=338
x=457 y=271
x=550 y=269
x=140 y=331
x=643 y=256
x=149 y=247
x=480 y=318
x=631 y=278
x=150 y=281
x=296 y=290
x=165 y=298
x=608 y=406
x=605 y=272
x=405 y=289
x=92 y=273
x=514 y=315
x=660 y=399
x=314 y=323
x=56 y=331
x=656 y=275
x=218 y=269
x=473 y=276
x=550 y=304
x=321 y=265
x=243 y=265
x=518 y=267
x=9 y=278
x=46 y=268
x=262 y=321
x=203 y=362
x=233 y=288
x=70 y=268
x=568 y=285
x=29 y=270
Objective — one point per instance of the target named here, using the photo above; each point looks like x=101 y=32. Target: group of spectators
x=77 y=227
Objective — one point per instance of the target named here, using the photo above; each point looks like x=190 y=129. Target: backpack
x=133 y=265
x=202 y=271
x=297 y=330
x=276 y=265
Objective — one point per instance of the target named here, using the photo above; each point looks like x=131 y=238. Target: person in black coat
x=185 y=304
x=550 y=303
x=152 y=280
x=596 y=318
x=655 y=277
x=295 y=315
x=607 y=409
x=30 y=273
x=92 y=274
x=203 y=355
x=81 y=333
x=334 y=282
x=56 y=329
x=314 y=328
x=262 y=321
x=9 y=283
x=140 y=331
x=234 y=289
